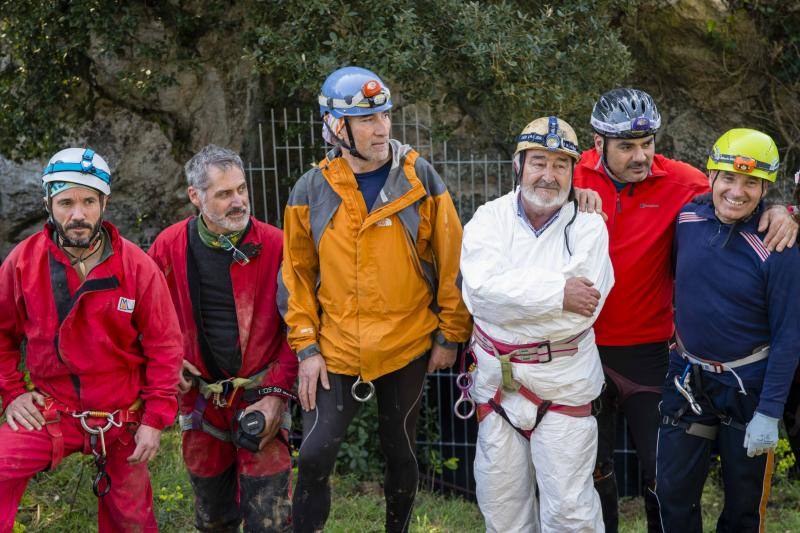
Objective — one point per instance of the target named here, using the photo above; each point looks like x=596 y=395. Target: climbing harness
x=222 y=394
x=542 y=407
x=693 y=374
x=52 y=412
x=361 y=383
x=717 y=367
x=102 y=481
x=535 y=353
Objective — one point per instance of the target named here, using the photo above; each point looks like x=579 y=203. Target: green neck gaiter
x=211 y=239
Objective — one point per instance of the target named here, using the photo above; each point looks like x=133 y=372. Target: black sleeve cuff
x=309 y=351
x=441 y=340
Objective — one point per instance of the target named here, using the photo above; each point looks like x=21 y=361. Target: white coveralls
x=513 y=284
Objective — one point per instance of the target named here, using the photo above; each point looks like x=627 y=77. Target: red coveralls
x=97 y=345
x=215 y=466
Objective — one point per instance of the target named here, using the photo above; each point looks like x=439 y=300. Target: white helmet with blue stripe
x=81 y=166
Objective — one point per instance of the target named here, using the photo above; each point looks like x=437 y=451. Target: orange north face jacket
x=368 y=289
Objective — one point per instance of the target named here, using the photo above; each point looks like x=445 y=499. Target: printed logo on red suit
x=126 y=305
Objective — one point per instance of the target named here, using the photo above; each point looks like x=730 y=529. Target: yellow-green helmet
x=745 y=151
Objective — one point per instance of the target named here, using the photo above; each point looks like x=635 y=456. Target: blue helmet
x=353 y=91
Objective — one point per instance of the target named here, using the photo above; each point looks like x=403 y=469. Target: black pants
x=684 y=460
x=634 y=375
x=398 y=395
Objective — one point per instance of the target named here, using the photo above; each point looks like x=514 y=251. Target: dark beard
x=67 y=242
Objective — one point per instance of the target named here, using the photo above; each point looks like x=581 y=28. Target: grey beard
x=223 y=221
x=530 y=195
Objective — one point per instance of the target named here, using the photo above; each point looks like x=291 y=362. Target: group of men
x=371 y=286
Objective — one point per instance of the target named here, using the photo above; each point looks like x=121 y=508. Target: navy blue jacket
x=735 y=298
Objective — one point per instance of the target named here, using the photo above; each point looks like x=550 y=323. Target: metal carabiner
x=102 y=475
x=686 y=392
x=370 y=390
x=92 y=414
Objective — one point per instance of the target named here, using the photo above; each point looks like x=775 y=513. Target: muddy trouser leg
x=212 y=472
x=265 y=487
x=399 y=395
x=605 y=481
x=323 y=430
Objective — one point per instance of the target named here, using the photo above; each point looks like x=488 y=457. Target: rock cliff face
x=146 y=141
x=710 y=70
x=704 y=65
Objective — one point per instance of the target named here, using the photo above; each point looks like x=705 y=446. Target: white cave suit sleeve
x=498 y=291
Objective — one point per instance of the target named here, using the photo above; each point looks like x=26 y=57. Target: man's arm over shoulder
x=157 y=322
x=455 y=322
x=783 y=304
x=297 y=279
x=12 y=316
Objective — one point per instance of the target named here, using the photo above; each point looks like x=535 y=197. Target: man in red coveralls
x=642 y=193
x=222 y=270
x=103 y=350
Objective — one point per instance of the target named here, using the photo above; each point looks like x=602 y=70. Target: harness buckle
x=718 y=368
x=549 y=352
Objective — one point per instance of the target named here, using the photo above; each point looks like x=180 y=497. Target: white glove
x=761 y=435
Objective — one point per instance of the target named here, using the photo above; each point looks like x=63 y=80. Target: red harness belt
x=53 y=409
x=543 y=406
x=540 y=352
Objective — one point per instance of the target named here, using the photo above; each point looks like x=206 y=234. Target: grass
x=63 y=501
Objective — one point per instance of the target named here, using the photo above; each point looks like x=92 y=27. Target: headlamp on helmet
x=745 y=151
x=625 y=113
x=352 y=91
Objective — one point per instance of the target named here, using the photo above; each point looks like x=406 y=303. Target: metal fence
x=290 y=143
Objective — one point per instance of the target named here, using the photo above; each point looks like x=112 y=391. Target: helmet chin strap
x=62 y=234
x=349 y=147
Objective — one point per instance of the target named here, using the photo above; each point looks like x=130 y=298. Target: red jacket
x=641 y=228
x=261 y=330
x=118 y=339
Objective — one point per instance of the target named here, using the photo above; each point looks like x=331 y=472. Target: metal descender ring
x=360 y=383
